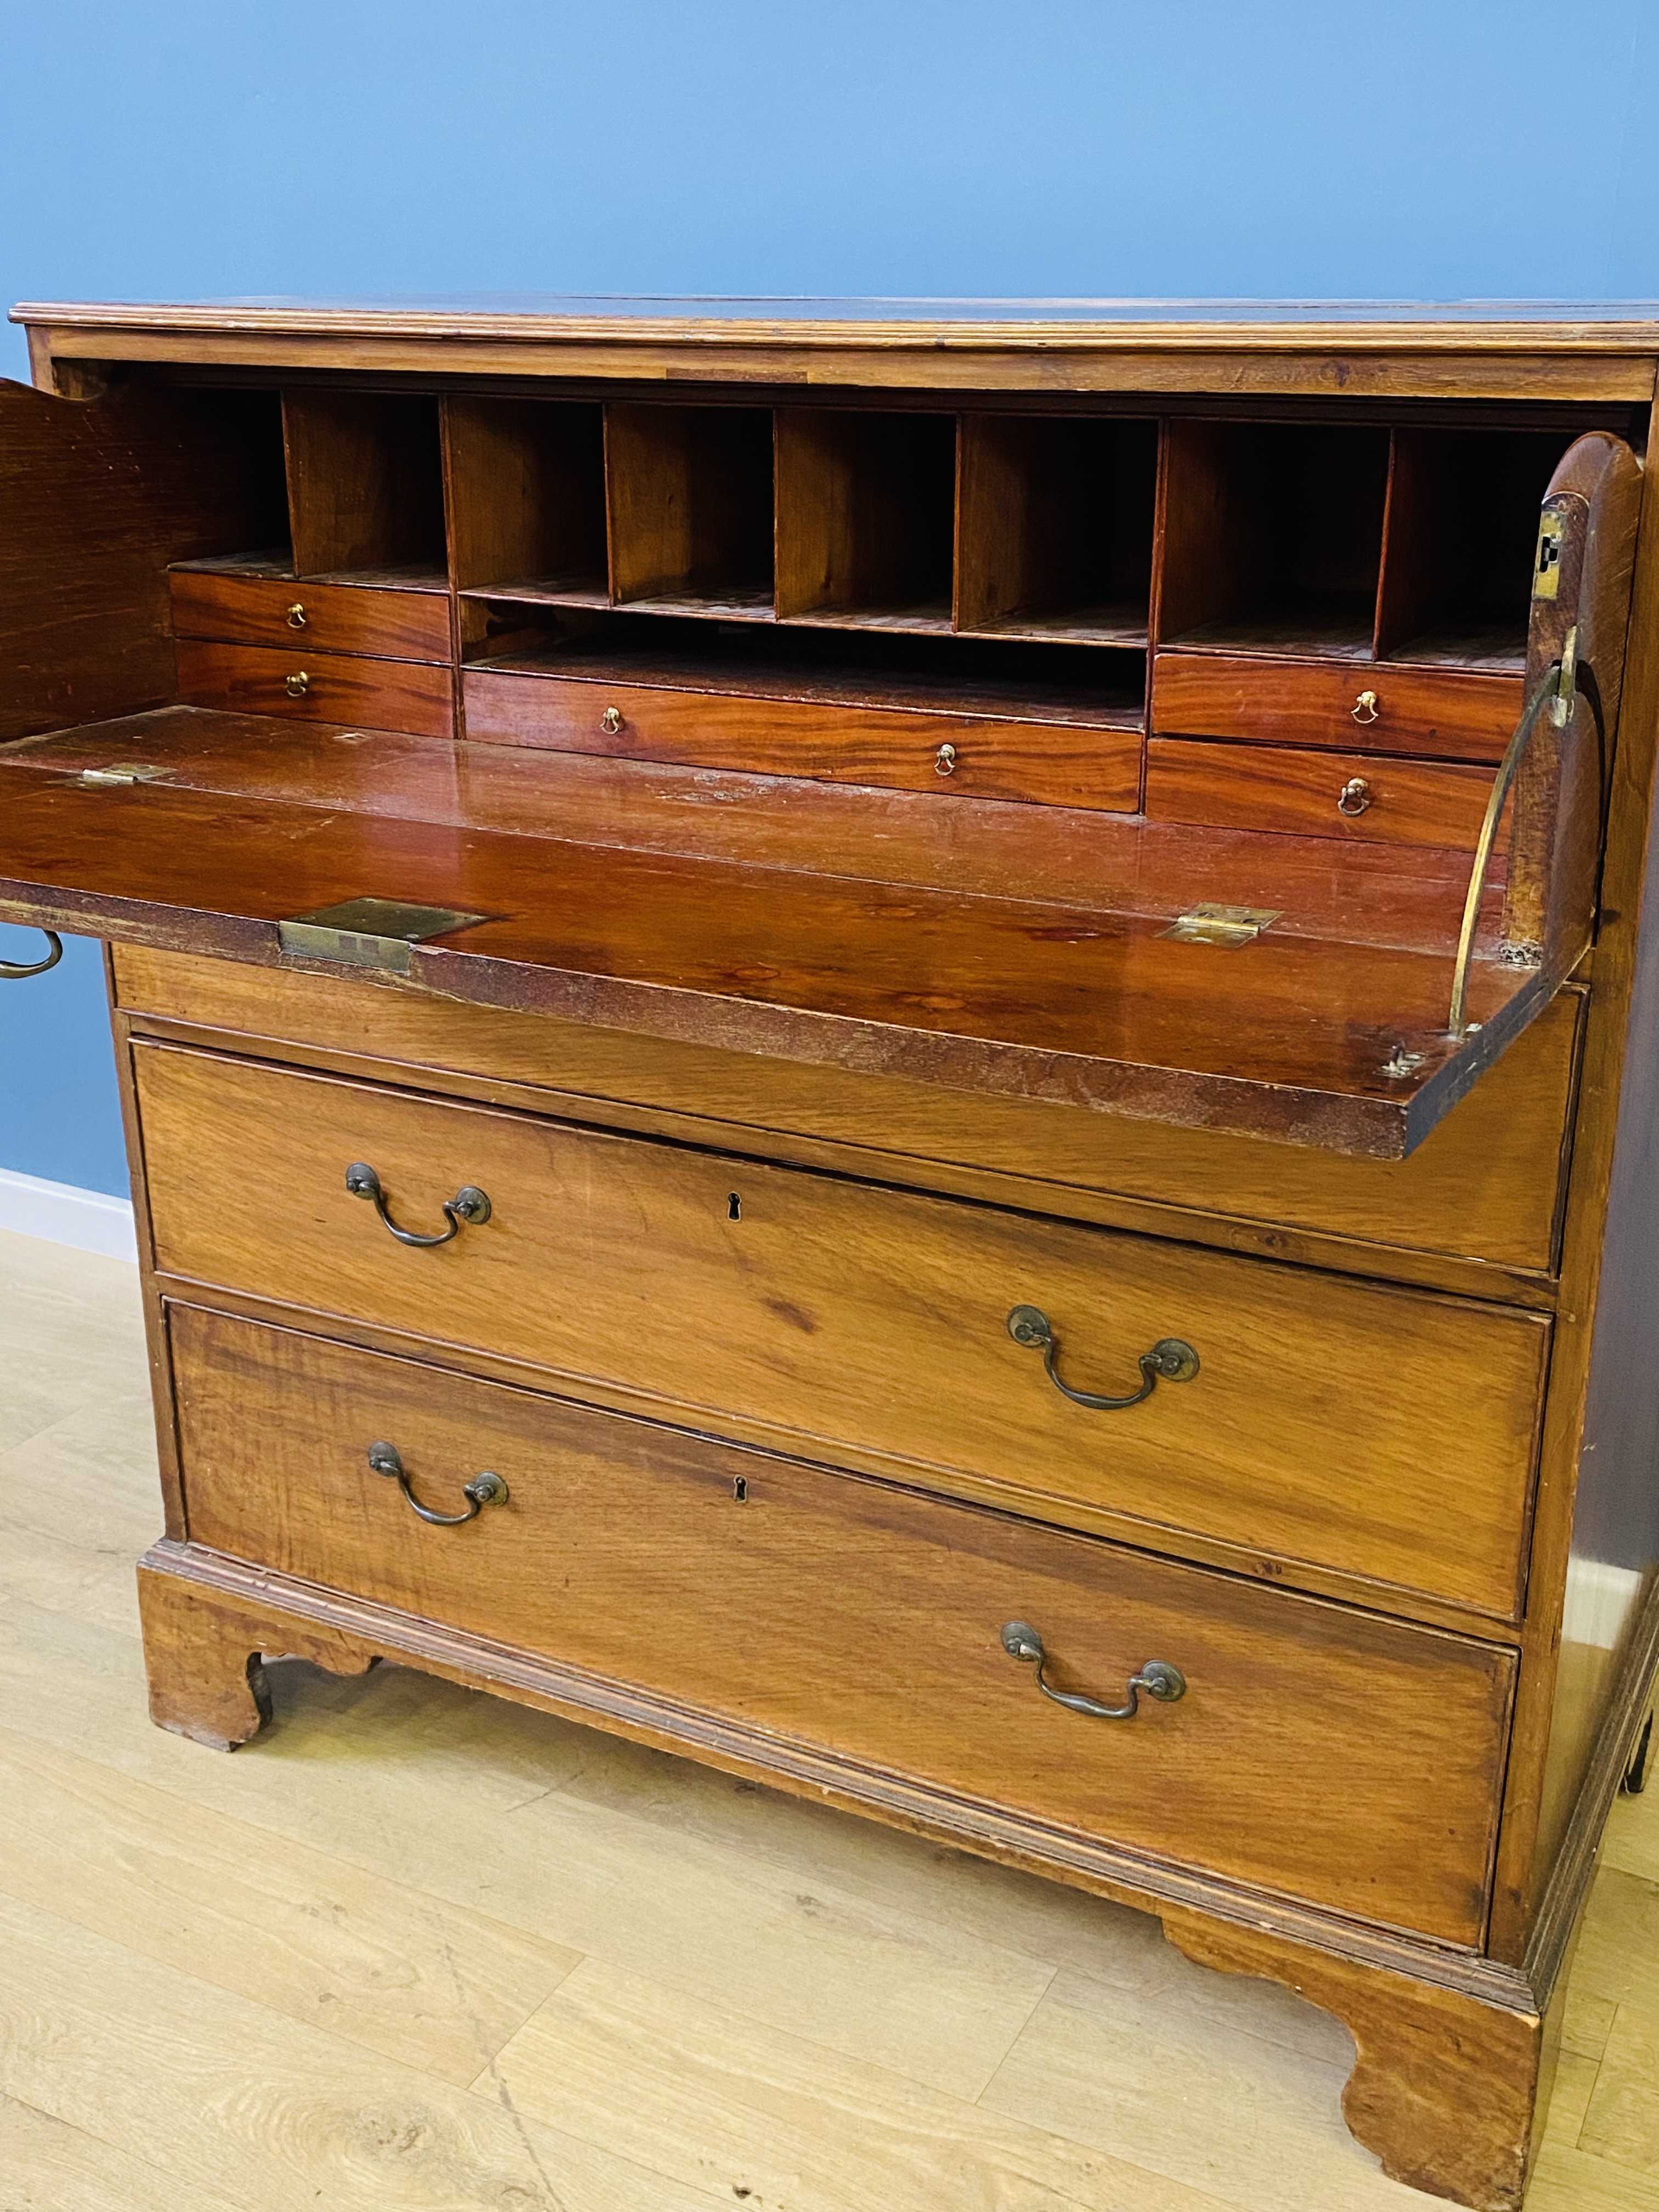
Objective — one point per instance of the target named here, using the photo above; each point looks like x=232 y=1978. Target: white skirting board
x=86 y=1220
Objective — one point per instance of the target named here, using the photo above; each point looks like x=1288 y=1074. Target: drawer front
x=1331 y=1421
x=1317 y=794
x=315 y=617
x=864 y=1620
x=1484 y=1186
x=1439 y=713
x=1059 y=763
x=318 y=687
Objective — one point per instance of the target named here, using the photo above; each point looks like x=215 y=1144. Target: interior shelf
x=1104 y=690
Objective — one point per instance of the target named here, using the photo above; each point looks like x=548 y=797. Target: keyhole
x=733 y=1207
x=740 y=1489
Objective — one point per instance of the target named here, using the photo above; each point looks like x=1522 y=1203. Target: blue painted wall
x=1425 y=148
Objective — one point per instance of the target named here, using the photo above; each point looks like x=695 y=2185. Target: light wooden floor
x=419 y=1949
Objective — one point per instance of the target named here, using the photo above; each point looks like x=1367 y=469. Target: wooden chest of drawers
x=925 y=1094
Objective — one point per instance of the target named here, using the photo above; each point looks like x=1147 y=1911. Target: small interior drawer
x=1441 y=713
x=400 y=625
x=1373 y=798
x=863 y=1620
x=1059 y=763
x=318 y=687
x=850 y=1321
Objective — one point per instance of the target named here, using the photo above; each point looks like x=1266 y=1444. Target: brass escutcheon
x=1366 y=707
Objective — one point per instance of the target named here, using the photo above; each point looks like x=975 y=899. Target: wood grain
x=1054 y=527
x=304 y=1935
x=254 y=679
x=819 y=1584
x=689 y=491
x=1486 y=1184
x=865 y=514
x=1101 y=1009
x=338 y=617
x=97 y=498
x=1059 y=763
x=1442 y=2089
x=365 y=485
x=1298 y=348
x=1443 y=715
x=830 y=1311
x=526 y=481
x=1278 y=788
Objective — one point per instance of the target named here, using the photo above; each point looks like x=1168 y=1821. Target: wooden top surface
x=1524 y=351
x=1539 y=326
x=644 y=900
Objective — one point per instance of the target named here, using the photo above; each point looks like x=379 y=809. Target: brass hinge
x=369 y=932
x=123 y=772
x=1206 y=924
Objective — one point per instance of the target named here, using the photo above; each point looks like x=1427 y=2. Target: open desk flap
x=982 y=946
x=1327 y=1027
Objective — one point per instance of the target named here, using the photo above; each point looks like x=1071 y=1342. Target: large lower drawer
x=1486 y=1185
x=859 y=1619
x=1375 y=1433
x=1061 y=762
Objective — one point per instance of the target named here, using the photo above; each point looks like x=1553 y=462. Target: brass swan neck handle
x=1158 y=1678
x=14 y=971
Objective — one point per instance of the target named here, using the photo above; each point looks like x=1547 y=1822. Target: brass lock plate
x=370 y=932
x=1208 y=924
x=1547 y=561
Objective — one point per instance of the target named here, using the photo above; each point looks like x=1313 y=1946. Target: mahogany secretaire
x=913 y=1047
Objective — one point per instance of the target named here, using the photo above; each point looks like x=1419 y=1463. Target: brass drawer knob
x=611 y=721
x=1169 y=1360
x=296 y=616
x=12 y=971
x=485 y=1488
x=297 y=685
x=945 y=761
x=1158 y=1678
x=1366 y=708
x=1354 y=796
x=469 y=1204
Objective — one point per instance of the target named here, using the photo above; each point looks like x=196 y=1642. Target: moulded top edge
x=1540 y=325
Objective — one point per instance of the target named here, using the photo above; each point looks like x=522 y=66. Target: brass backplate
x=1208 y=924
x=369 y=932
